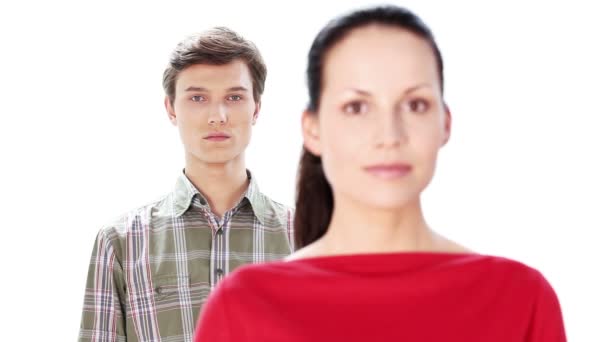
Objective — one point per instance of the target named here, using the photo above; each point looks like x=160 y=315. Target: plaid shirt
x=152 y=269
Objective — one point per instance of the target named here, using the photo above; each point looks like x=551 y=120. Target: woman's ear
x=447 y=125
x=310 y=132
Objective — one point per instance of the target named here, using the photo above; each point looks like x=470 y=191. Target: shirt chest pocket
x=165 y=291
x=160 y=308
x=169 y=289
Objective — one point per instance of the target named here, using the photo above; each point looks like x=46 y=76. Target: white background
x=84 y=136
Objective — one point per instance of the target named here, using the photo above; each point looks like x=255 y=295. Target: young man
x=153 y=268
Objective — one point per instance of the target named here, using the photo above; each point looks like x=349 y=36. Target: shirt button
x=219 y=271
x=220 y=231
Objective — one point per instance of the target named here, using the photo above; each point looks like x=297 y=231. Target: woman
x=368 y=267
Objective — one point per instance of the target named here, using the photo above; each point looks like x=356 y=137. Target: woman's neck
x=357 y=228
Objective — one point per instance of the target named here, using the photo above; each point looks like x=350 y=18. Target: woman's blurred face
x=381 y=118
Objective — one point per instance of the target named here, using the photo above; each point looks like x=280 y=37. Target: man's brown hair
x=217 y=46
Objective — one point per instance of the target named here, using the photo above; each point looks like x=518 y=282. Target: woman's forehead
x=378 y=55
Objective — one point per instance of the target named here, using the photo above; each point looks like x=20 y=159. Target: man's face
x=214 y=110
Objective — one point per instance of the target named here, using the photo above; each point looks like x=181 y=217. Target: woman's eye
x=418 y=106
x=355 y=108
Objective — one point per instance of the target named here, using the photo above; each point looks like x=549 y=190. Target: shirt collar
x=184 y=192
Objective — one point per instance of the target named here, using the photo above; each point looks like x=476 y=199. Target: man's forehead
x=232 y=77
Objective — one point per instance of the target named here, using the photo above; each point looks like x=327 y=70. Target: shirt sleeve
x=103 y=317
x=547 y=323
x=290 y=229
x=213 y=322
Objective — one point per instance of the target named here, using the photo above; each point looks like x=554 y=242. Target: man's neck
x=222 y=184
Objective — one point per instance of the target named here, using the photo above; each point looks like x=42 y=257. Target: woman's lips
x=389 y=171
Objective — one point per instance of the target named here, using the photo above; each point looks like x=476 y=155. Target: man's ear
x=310 y=132
x=258 y=106
x=170 y=111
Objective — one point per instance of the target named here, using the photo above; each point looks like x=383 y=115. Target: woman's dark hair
x=314 y=199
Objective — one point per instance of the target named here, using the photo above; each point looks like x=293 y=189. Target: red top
x=384 y=297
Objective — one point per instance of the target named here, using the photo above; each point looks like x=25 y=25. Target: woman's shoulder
x=495 y=267
x=511 y=267
x=513 y=276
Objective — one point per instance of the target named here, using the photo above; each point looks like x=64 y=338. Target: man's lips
x=217 y=136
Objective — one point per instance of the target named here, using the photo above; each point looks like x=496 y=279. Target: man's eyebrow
x=192 y=88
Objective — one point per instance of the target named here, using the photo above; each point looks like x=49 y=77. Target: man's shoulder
x=276 y=213
x=278 y=206
x=153 y=214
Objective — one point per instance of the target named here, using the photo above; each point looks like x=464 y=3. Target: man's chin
x=218 y=159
